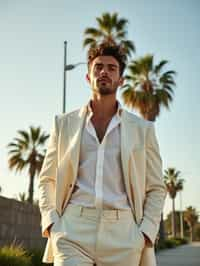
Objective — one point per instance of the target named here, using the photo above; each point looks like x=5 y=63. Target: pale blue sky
x=31 y=73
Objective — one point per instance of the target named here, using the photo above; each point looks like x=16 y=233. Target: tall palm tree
x=174 y=184
x=191 y=217
x=110 y=28
x=22 y=197
x=26 y=151
x=148 y=88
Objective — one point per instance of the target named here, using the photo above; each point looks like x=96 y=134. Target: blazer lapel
x=68 y=164
x=76 y=127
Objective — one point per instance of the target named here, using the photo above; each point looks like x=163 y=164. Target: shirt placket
x=100 y=160
x=99 y=176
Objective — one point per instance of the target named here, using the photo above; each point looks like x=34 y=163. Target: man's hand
x=147 y=240
x=49 y=229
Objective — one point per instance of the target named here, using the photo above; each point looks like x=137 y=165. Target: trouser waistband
x=94 y=212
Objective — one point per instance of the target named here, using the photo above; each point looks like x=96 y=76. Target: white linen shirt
x=100 y=182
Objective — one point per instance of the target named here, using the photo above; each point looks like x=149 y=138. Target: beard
x=106 y=91
x=106 y=88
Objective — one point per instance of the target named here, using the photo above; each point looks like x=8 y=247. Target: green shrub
x=36 y=257
x=160 y=245
x=181 y=241
x=14 y=256
x=170 y=243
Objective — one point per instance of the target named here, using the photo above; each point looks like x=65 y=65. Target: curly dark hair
x=110 y=49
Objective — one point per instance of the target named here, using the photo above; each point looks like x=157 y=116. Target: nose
x=104 y=71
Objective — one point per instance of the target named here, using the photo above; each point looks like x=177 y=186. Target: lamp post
x=64 y=76
x=67 y=68
x=72 y=66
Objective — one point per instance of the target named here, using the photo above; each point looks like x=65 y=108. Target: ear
x=87 y=77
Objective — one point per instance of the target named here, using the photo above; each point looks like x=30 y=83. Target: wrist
x=146 y=239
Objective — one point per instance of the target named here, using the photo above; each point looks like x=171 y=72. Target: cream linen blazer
x=142 y=171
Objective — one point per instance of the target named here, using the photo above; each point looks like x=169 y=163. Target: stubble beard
x=105 y=89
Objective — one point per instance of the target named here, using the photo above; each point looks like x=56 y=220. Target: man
x=101 y=189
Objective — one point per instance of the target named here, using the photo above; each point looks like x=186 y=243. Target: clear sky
x=31 y=73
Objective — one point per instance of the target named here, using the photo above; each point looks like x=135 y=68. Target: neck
x=104 y=106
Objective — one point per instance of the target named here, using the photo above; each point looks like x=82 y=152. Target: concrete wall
x=20 y=223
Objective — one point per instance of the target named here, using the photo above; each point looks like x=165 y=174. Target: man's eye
x=98 y=67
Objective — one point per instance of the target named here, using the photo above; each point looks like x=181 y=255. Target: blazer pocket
x=141 y=237
x=54 y=226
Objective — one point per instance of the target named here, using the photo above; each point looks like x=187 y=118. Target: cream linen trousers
x=86 y=236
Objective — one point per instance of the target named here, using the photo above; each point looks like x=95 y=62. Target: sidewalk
x=186 y=255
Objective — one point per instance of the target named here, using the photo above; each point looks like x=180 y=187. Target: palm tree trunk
x=191 y=233
x=173 y=219
x=151 y=113
x=31 y=189
x=150 y=117
x=162 y=229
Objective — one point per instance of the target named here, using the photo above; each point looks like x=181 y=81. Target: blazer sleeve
x=47 y=182
x=155 y=187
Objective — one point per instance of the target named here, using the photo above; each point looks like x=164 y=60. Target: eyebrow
x=110 y=65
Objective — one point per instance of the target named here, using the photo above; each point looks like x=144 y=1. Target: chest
x=109 y=150
x=100 y=126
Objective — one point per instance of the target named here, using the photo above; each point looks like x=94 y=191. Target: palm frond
x=24 y=134
x=154 y=89
x=93 y=32
x=35 y=133
x=89 y=41
x=120 y=35
x=159 y=66
x=104 y=23
x=173 y=181
x=121 y=24
x=110 y=28
x=24 y=151
x=42 y=139
x=129 y=46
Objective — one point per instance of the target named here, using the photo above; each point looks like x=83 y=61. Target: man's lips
x=103 y=80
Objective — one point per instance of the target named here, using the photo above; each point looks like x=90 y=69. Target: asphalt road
x=186 y=255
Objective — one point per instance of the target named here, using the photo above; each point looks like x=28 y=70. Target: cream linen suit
x=142 y=171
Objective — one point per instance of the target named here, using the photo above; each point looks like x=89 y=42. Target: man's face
x=104 y=75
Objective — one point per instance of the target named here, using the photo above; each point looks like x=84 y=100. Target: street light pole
x=64 y=76
x=65 y=69
x=72 y=66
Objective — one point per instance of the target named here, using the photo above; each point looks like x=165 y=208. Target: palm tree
x=173 y=184
x=26 y=151
x=111 y=29
x=22 y=197
x=148 y=87
x=191 y=217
